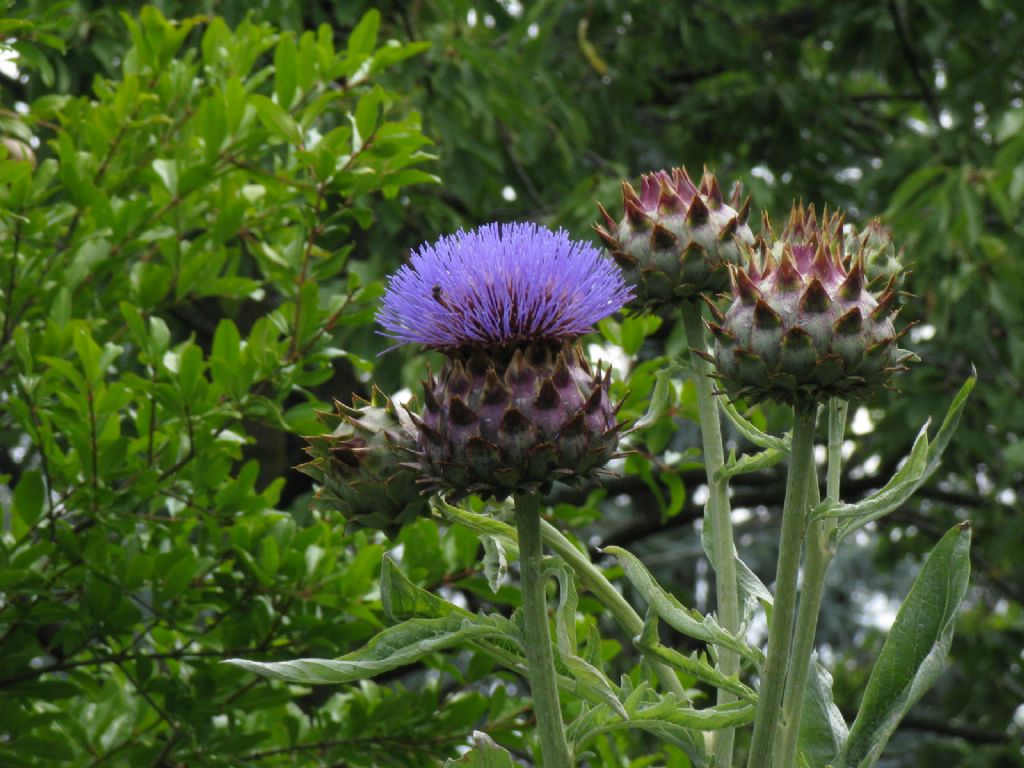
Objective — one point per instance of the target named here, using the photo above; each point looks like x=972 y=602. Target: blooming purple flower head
x=499 y=285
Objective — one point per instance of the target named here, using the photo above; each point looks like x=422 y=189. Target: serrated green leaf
x=675 y=614
x=923 y=460
x=395 y=647
x=401 y=599
x=649 y=644
x=484 y=754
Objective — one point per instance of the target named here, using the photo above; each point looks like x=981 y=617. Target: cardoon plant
x=516 y=405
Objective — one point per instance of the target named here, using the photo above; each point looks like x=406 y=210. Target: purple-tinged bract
x=676 y=239
x=804 y=324
x=514 y=422
x=500 y=285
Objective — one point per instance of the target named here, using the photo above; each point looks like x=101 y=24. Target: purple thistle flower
x=500 y=284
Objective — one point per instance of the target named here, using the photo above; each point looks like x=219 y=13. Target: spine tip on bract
x=610 y=224
x=885 y=303
x=721 y=335
x=744 y=212
x=607 y=237
x=787 y=277
x=715 y=193
x=736 y=195
x=716 y=313
x=705 y=181
x=766 y=318
x=729 y=230
x=698 y=212
x=683 y=183
x=636 y=214
x=623 y=259
x=629 y=194
x=662 y=238
x=744 y=287
x=823 y=266
x=815 y=299
x=854 y=283
x=851 y=323
x=669 y=200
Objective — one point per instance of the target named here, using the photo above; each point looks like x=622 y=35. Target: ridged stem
x=818 y=556
x=717 y=515
x=543 y=682
x=780 y=631
x=592 y=578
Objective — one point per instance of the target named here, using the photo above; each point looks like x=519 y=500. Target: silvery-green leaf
x=695 y=666
x=482 y=524
x=752 y=589
x=484 y=754
x=822 y=728
x=915 y=650
x=495 y=563
x=402 y=599
x=659 y=399
x=686 y=620
x=585 y=673
x=752 y=433
x=746 y=463
x=667 y=718
x=923 y=460
x=394 y=647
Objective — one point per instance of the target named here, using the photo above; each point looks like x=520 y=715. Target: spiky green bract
x=513 y=420
x=803 y=325
x=361 y=466
x=676 y=240
x=875 y=247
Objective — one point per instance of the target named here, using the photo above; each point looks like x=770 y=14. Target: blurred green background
x=190 y=265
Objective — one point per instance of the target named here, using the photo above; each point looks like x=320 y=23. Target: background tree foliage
x=192 y=265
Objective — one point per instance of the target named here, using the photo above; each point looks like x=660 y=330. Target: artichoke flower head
x=516 y=406
x=677 y=239
x=804 y=322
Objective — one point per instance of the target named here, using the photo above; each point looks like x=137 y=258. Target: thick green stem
x=817 y=559
x=717 y=515
x=592 y=578
x=543 y=682
x=780 y=631
x=837 y=410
